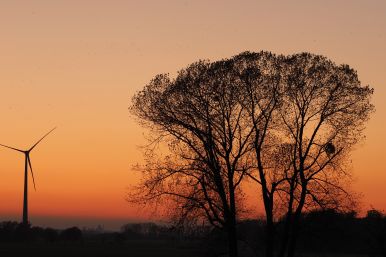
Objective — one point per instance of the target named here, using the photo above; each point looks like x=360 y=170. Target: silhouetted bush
x=71 y=234
x=37 y=233
x=130 y=232
x=376 y=227
x=50 y=235
x=252 y=233
x=7 y=230
x=23 y=232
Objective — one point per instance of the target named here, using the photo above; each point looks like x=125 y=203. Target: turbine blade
x=13 y=148
x=41 y=139
x=32 y=173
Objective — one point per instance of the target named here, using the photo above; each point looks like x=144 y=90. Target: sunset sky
x=76 y=65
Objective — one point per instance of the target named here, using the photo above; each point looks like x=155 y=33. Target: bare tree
x=287 y=123
x=322 y=114
x=204 y=118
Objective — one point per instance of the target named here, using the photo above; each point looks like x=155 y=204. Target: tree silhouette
x=287 y=123
x=204 y=116
x=322 y=114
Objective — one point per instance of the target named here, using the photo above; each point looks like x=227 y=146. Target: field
x=132 y=248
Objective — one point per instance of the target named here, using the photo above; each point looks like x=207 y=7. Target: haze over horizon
x=76 y=65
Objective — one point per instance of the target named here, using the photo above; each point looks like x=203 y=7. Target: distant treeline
x=328 y=231
x=324 y=231
x=11 y=231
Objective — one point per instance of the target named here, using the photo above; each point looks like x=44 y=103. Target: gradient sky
x=76 y=64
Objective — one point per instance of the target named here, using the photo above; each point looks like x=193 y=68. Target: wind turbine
x=27 y=163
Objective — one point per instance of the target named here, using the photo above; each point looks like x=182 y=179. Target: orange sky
x=76 y=64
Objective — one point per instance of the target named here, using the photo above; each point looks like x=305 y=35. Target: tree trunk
x=287 y=224
x=233 y=249
x=285 y=236
x=269 y=236
x=293 y=238
x=296 y=221
x=268 y=203
x=270 y=233
x=232 y=240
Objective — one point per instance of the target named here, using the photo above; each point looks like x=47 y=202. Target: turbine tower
x=27 y=163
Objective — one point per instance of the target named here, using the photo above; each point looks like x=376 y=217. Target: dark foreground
x=323 y=234
x=132 y=248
